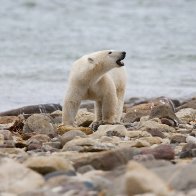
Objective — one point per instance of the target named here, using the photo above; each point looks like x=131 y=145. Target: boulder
x=39 y=123
x=16 y=178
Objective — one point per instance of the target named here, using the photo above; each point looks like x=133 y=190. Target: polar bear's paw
x=95 y=125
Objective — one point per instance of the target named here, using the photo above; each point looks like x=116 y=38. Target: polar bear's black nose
x=124 y=54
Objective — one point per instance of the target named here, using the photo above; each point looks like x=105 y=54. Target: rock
x=84 y=118
x=187 y=150
x=63 y=129
x=53 y=145
x=107 y=160
x=188 y=104
x=40 y=124
x=33 y=144
x=8 y=119
x=110 y=130
x=42 y=108
x=136 y=112
x=56 y=117
x=137 y=134
x=1 y=139
x=139 y=143
x=87 y=145
x=138 y=180
x=47 y=164
x=186 y=115
x=163 y=151
x=7 y=134
x=156 y=133
x=191 y=139
x=16 y=178
x=163 y=111
x=184 y=178
x=178 y=138
x=42 y=138
x=71 y=135
x=84 y=169
x=151 y=125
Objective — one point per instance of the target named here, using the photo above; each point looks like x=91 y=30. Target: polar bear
x=99 y=76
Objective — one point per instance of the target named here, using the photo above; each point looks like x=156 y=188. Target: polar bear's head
x=107 y=59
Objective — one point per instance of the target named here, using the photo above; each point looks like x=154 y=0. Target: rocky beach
x=152 y=152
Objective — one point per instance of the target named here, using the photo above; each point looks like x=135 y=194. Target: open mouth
x=119 y=61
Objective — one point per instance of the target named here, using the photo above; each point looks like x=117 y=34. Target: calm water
x=39 y=39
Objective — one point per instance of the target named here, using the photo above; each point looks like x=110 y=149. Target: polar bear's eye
x=109 y=52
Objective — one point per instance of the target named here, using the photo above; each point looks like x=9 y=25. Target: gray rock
x=178 y=138
x=71 y=135
x=163 y=111
x=16 y=178
x=39 y=123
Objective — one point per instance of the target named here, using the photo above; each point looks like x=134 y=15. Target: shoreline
x=153 y=148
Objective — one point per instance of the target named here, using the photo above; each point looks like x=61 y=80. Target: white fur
x=98 y=77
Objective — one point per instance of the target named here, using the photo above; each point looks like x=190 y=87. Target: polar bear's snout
x=119 y=61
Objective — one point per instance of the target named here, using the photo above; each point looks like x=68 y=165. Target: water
x=39 y=39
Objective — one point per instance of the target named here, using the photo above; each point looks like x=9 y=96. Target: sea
x=40 y=39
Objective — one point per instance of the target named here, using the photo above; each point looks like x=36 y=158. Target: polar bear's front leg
x=70 y=108
x=109 y=104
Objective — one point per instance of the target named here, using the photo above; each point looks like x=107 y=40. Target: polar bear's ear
x=90 y=60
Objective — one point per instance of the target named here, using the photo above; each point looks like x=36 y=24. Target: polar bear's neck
x=97 y=72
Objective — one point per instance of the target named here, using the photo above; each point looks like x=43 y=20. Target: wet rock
x=110 y=130
x=39 y=123
x=71 y=135
x=138 y=180
x=84 y=118
x=107 y=160
x=178 y=138
x=32 y=109
x=16 y=178
x=163 y=151
x=87 y=145
x=186 y=115
x=47 y=164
